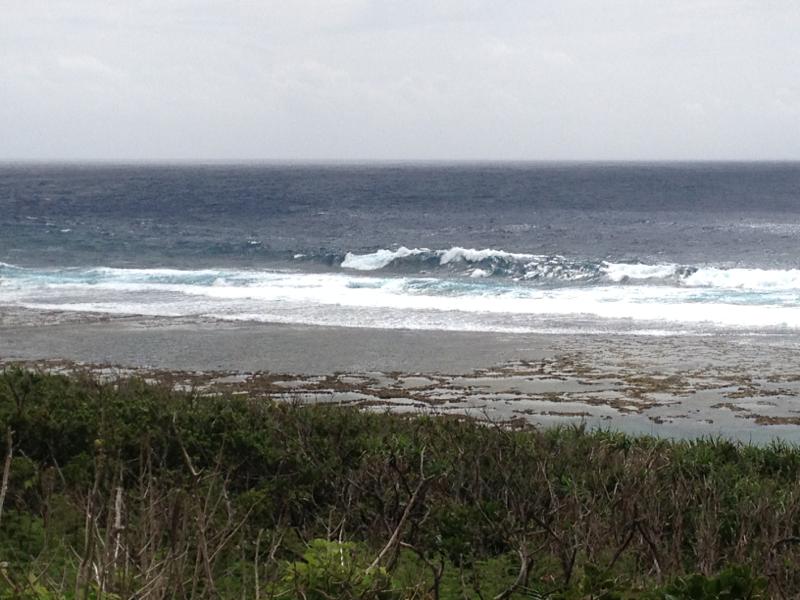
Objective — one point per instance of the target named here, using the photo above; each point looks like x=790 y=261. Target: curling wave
x=557 y=269
x=474 y=263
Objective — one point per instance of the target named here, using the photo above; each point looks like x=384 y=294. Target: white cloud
x=694 y=108
x=399 y=79
x=87 y=64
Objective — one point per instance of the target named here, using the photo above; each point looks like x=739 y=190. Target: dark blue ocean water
x=743 y=214
x=464 y=246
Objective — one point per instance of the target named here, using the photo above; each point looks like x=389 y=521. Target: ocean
x=622 y=248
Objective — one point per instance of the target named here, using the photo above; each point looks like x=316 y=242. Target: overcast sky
x=400 y=79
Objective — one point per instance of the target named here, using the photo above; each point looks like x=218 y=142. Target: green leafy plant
x=733 y=583
x=336 y=570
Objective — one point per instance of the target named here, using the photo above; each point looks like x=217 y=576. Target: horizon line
x=385 y=161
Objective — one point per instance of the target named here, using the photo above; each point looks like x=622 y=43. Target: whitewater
x=454 y=289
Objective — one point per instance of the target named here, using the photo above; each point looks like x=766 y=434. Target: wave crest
x=474 y=263
x=557 y=269
x=379 y=259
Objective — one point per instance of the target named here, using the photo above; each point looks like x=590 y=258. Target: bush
x=336 y=570
x=127 y=487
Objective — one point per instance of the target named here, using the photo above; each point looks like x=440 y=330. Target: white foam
x=753 y=279
x=151 y=273
x=708 y=298
x=558 y=268
x=472 y=255
x=707 y=277
x=624 y=271
x=379 y=259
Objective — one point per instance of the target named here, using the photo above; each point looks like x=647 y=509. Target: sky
x=400 y=80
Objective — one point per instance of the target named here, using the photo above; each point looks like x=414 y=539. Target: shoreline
x=740 y=387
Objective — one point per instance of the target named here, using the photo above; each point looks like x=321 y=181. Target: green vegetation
x=135 y=491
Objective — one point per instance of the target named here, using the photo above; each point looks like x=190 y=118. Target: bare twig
x=418 y=492
x=255 y=565
x=6 y=467
x=525 y=564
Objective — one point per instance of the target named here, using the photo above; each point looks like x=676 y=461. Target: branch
x=785 y=541
x=622 y=548
x=436 y=570
x=651 y=545
x=525 y=563
x=195 y=473
x=418 y=492
x=6 y=467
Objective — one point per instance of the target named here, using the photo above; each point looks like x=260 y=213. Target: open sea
x=650 y=249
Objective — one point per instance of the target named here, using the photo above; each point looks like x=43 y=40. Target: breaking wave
x=453 y=289
x=559 y=269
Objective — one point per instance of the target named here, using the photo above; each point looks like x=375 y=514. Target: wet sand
x=743 y=387
x=192 y=345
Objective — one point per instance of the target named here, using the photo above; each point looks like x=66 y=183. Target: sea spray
x=476 y=290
